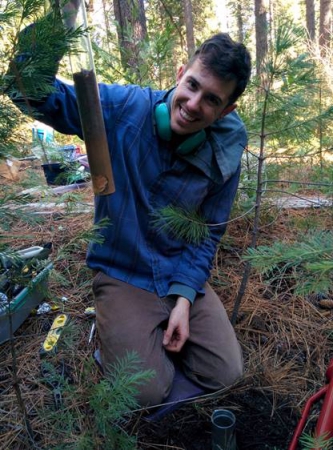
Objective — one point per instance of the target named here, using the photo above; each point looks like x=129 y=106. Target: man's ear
x=180 y=73
x=228 y=110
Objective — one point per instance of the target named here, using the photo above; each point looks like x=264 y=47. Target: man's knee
x=230 y=368
x=229 y=373
x=152 y=393
x=218 y=373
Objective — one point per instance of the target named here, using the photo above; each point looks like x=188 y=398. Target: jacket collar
x=220 y=154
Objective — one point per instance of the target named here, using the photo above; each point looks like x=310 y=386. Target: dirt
x=262 y=423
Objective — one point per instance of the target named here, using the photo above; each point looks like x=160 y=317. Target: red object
x=325 y=420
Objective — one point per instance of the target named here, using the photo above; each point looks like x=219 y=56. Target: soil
x=189 y=428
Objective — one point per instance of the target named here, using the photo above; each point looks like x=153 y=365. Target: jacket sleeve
x=60 y=110
x=196 y=263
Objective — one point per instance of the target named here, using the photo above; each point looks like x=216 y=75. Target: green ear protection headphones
x=162 y=120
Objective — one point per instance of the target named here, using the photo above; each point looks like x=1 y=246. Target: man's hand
x=69 y=11
x=178 y=329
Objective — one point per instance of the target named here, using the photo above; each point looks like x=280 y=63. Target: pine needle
x=182 y=224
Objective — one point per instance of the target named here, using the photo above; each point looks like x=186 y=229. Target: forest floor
x=286 y=340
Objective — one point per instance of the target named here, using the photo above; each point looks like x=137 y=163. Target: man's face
x=200 y=98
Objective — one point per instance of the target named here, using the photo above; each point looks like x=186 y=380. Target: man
x=179 y=149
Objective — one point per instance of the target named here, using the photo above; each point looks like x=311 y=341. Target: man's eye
x=192 y=84
x=213 y=100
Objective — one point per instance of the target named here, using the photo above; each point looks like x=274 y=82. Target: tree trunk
x=271 y=23
x=260 y=9
x=240 y=23
x=189 y=27
x=310 y=19
x=131 y=29
x=325 y=25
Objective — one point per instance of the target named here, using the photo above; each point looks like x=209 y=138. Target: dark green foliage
x=11 y=140
x=39 y=49
x=323 y=174
x=156 y=68
x=182 y=224
x=283 y=110
x=109 y=402
x=309 y=262
x=310 y=442
x=158 y=54
x=16 y=210
x=114 y=397
x=288 y=93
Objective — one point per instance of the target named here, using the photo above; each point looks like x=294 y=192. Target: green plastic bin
x=21 y=305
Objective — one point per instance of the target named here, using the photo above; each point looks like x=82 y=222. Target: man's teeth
x=186 y=116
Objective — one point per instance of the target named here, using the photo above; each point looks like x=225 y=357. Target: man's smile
x=186 y=115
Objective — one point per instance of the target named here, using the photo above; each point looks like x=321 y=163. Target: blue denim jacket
x=149 y=175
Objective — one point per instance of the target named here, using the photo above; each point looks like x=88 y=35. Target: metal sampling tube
x=89 y=105
x=94 y=132
x=223 y=430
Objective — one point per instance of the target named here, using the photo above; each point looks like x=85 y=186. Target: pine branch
x=321 y=442
x=12 y=208
x=283 y=112
x=309 y=262
x=38 y=50
x=115 y=396
x=83 y=239
x=189 y=226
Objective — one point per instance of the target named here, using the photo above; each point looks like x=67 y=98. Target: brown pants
x=131 y=319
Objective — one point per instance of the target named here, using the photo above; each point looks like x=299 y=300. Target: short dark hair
x=226 y=59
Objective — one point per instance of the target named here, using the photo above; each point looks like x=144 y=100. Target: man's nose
x=194 y=103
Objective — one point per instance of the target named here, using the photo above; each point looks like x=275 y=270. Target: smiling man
x=200 y=99
x=180 y=148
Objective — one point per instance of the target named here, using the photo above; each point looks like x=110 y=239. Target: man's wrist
x=183 y=301
x=181 y=290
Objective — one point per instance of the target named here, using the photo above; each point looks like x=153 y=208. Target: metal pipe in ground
x=94 y=132
x=223 y=430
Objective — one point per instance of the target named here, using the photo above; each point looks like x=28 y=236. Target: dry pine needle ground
x=287 y=339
